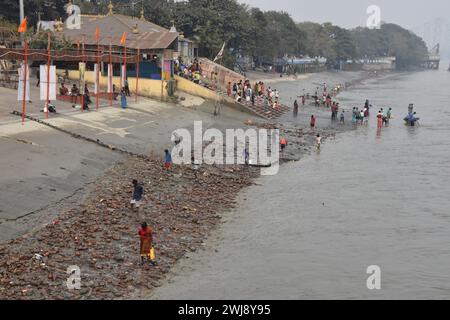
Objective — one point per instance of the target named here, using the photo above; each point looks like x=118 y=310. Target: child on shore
x=318 y=141
x=167 y=160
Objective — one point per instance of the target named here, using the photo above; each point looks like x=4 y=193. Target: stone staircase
x=259 y=108
x=226 y=75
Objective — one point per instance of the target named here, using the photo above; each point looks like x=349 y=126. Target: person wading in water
x=295 y=109
x=318 y=141
x=313 y=122
x=380 y=119
x=342 y=117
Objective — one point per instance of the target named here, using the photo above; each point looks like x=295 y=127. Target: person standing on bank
x=146 y=244
x=127 y=88
x=136 y=199
x=167 y=160
x=123 y=99
x=38 y=76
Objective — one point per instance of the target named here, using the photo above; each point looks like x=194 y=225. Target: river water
x=368 y=198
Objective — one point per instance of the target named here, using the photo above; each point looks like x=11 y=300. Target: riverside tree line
x=248 y=31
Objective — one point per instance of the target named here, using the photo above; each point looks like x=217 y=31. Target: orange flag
x=97 y=33
x=23 y=26
x=123 y=40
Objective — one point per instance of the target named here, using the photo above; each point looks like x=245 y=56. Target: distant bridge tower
x=434 y=58
x=433 y=31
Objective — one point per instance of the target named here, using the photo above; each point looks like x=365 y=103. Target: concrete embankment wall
x=200 y=91
x=224 y=75
x=147 y=87
x=379 y=67
x=195 y=89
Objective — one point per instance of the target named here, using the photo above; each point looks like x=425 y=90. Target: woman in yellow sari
x=146 y=248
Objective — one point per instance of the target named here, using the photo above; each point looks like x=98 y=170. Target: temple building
x=156 y=47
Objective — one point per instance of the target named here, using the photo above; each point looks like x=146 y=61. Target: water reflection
x=379 y=133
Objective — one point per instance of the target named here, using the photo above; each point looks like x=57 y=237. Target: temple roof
x=141 y=34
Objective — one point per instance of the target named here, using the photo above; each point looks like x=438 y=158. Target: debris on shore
x=100 y=235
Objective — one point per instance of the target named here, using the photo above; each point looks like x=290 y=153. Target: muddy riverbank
x=99 y=235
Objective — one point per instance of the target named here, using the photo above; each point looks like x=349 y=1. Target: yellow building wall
x=147 y=87
x=150 y=88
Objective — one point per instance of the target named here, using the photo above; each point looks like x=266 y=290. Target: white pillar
x=22 y=13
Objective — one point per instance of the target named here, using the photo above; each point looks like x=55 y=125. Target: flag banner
x=220 y=54
x=97 y=79
x=21 y=72
x=123 y=40
x=110 y=75
x=97 y=34
x=122 y=75
x=82 y=68
x=43 y=83
x=23 y=26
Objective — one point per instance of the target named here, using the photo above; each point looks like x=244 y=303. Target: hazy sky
x=351 y=13
x=415 y=15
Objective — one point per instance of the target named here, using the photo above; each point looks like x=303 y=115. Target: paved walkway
x=44 y=169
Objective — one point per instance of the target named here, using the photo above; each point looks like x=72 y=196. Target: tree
x=47 y=9
x=213 y=22
x=390 y=40
x=247 y=31
x=320 y=40
x=39 y=41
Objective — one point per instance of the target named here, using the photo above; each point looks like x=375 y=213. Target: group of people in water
x=359 y=116
x=327 y=96
x=243 y=91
